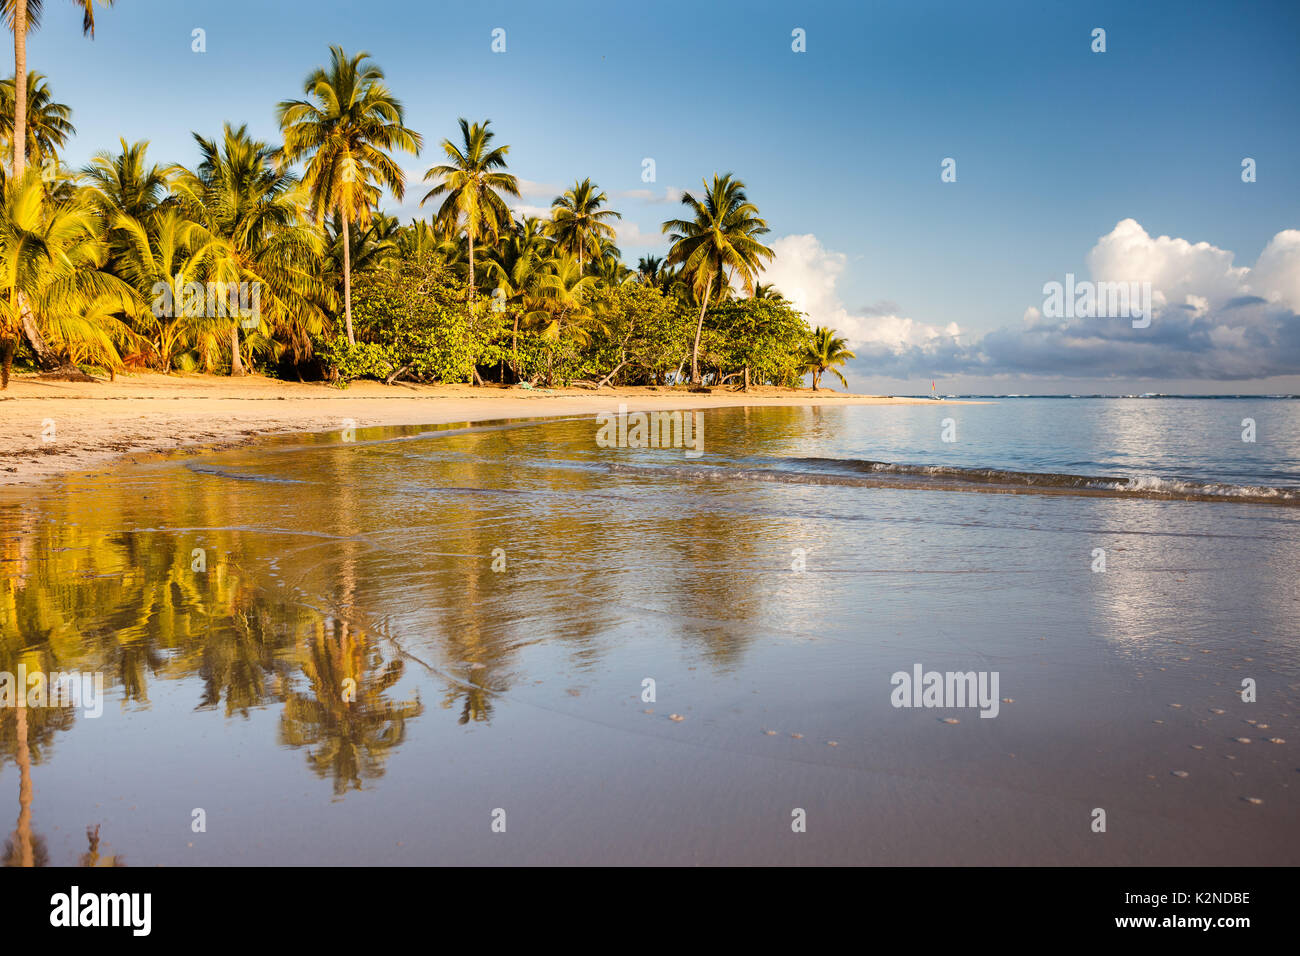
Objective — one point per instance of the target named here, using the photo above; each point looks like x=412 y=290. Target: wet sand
x=51 y=427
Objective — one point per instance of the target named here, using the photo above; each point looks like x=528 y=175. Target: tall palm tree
x=722 y=236
x=578 y=223
x=825 y=351
x=49 y=123
x=473 y=183
x=21 y=16
x=345 y=131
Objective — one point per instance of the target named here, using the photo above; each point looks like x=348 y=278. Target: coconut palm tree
x=825 y=351
x=563 y=293
x=163 y=252
x=345 y=131
x=253 y=208
x=722 y=236
x=52 y=284
x=123 y=183
x=473 y=182
x=578 y=223
x=769 y=293
x=49 y=123
x=647 y=268
x=21 y=16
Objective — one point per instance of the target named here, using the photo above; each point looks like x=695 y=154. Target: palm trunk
x=236 y=363
x=699 y=327
x=514 y=349
x=20 y=88
x=470 y=235
x=347 y=278
x=46 y=357
x=6 y=361
x=816 y=375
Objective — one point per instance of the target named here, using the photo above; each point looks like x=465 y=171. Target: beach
x=510 y=643
x=142 y=416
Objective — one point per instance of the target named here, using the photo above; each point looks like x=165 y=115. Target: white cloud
x=630 y=234
x=806 y=273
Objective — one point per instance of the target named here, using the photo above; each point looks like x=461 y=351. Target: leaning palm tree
x=21 y=16
x=52 y=284
x=345 y=131
x=720 y=237
x=49 y=123
x=823 y=353
x=578 y=223
x=473 y=183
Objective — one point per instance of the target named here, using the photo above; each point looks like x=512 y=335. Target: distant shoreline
x=140 y=417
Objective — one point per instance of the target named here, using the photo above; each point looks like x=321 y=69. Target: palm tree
x=769 y=293
x=562 y=294
x=825 y=351
x=721 y=236
x=473 y=185
x=578 y=223
x=252 y=206
x=345 y=130
x=516 y=266
x=49 y=123
x=647 y=268
x=21 y=16
x=52 y=282
x=124 y=184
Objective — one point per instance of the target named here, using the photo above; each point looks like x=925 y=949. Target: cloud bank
x=1213 y=320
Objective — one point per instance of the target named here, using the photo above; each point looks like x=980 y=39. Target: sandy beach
x=55 y=427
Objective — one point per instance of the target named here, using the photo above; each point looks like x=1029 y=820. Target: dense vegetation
x=276 y=257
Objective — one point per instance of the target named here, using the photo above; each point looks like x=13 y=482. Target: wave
x=883 y=474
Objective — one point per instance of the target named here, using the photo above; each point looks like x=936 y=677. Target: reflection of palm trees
x=345 y=717
x=21 y=845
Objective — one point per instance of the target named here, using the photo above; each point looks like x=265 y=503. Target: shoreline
x=54 y=428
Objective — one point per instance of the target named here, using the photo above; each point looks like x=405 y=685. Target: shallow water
x=359 y=675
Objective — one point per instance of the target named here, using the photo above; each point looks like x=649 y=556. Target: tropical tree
x=21 y=16
x=473 y=182
x=52 y=284
x=578 y=223
x=563 y=299
x=49 y=123
x=647 y=268
x=345 y=130
x=721 y=237
x=252 y=207
x=769 y=292
x=123 y=183
x=824 y=352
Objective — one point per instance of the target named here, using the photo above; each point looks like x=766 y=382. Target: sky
x=1122 y=165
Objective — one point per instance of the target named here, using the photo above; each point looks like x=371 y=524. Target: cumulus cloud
x=1213 y=319
x=806 y=273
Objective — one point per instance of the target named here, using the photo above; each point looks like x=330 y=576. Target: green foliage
x=412 y=321
x=765 y=335
x=644 y=330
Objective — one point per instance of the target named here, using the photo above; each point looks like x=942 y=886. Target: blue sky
x=1055 y=145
